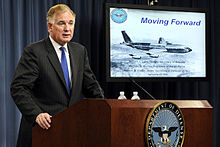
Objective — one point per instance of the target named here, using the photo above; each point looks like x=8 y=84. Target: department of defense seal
x=118 y=15
x=165 y=126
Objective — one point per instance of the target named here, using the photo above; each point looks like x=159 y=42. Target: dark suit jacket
x=39 y=85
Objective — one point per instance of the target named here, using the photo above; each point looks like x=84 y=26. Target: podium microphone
x=133 y=81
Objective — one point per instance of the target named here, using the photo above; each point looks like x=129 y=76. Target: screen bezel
x=145 y=7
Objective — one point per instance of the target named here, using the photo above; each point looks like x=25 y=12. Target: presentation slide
x=157 y=43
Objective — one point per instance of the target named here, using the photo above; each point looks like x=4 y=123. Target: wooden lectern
x=120 y=123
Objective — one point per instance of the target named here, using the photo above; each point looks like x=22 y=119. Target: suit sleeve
x=91 y=87
x=22 y=84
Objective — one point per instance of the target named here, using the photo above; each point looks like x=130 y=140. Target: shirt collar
x=56 y=45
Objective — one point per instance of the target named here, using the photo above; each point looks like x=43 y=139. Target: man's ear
x=49 y=26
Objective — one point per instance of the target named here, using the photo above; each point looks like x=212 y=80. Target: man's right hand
x=44 y=120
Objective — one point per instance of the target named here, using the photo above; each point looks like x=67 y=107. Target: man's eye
x=71 y=23
x=61 y=23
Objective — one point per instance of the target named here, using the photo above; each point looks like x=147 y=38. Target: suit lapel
x=73 y=65
x=52 y=56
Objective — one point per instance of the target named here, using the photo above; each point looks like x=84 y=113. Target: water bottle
x=135 y=96
x=122 y=96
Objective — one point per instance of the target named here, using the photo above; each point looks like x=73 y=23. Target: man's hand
x=43 y=120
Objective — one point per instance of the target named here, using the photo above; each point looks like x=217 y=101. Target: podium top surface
x=152 y=103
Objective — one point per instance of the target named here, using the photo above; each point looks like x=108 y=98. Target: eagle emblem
x=118 y=15
x=165 y=126
x=164 y=134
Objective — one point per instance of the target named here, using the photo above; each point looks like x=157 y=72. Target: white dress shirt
x=59 y=53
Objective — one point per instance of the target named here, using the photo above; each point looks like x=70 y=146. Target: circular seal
x=165 y=126
x=118 y=15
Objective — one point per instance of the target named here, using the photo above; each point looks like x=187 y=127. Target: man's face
x=63 y=27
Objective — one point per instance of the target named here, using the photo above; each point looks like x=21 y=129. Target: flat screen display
x=154 y=42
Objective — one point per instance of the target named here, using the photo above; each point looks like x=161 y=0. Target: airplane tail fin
x=161 y=41
x=126 y=37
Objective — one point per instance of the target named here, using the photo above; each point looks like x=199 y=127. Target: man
x=51 y=75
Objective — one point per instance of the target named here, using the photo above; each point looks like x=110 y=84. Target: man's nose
x=66 y=27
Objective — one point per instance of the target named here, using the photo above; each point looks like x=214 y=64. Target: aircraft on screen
x=162 y=44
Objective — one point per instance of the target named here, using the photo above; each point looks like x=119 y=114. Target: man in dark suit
x=51 y=75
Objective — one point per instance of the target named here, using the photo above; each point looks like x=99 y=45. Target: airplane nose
x=189 y=49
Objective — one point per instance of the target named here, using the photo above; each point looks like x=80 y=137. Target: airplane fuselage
x=162 y=44
x=170 y=48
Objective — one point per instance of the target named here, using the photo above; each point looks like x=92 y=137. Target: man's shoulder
x=39 y=43
x=76 y=45
x=40 y=47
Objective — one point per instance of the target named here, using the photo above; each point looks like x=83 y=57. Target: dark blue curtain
x=24 y=21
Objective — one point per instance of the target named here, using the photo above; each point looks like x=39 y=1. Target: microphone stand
x=133 y=81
